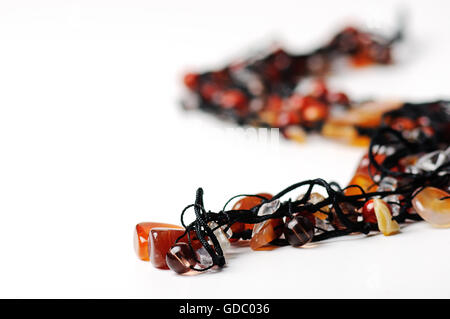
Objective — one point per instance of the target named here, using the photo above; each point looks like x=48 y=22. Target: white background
x=92 y=141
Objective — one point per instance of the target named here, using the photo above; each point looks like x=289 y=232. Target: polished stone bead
x=160 y=241
x=388 y=184
x=386 y=224
x=368 y=212
x=315 y=198
x=431 y=206
x=141 y=233
x=299 y=231
x=180 y=258
x=268 y=230
x=246 y=203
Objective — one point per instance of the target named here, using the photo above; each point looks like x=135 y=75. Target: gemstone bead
x=368 y=212
x=428 y=203
x=180 y=258
x=221 y=236
x=299 y=231
x=141 y=233
x=160 y=241
x=268 y=230
x=386 y=224
x=246 y=203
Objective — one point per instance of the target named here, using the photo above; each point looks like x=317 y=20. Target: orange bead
x=364 y=181
x=160 y=242
x=141 y=233
x=432 y=207
x=270 y=230
x=246 y=203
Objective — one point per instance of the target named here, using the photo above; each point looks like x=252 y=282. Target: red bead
x=233 y=99
x=274 y=103
x=191 y=80
x=208 y=91
x=368 y=212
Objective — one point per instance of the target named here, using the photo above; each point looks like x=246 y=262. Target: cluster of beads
x=269 y=90
x=403 y=176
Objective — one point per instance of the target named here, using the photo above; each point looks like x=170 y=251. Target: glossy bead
x=386 y=224
x=141 y=233
x=180 y=258
x=160 y=241
x=221 y=236
x=368 y=212
x=268 y=230
x=299 y=231
x=246 y=203
x=428 y=203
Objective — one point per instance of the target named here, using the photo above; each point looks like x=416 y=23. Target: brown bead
x=299 y=231
x=141 y=233
x=349 y=211
x=160 y=241
x=180 y=258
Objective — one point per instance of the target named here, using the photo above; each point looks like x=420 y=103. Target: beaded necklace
x=403 y=176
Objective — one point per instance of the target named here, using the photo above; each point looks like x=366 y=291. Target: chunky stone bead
x=160 y=241
x=315 y=198
x=431 y=206
x=268 y=230
x=246 y=203
x=299 y=231
x=386 y=224
x=221 y=236
x=180 y=258
x=141 y=233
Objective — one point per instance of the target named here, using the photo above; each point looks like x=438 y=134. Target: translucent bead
x=364 y=181
x=269 y=230
x=221 y=236
x=180 y=258
x=386 y=224
x=431 y=161
x=160 y=241
x=368 y=212
x=141 y=233
x=246 y=203
x=429 y=204
x=203 y=257
x=298 y=231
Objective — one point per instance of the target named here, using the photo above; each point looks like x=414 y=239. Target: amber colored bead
x=299 y=231
x=274 y=103
x=383 y=213
x=141 y=233
x=364 y=167
x=368 y=212
x=233 y=99
x=246 y=203
x=364 y=181
x=430 y=204
x=269 y=231
x=191 y=80
x=295 y=133
x=160 y=241
x=180 y=258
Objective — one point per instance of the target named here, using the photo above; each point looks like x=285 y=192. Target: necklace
x=403 y=176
